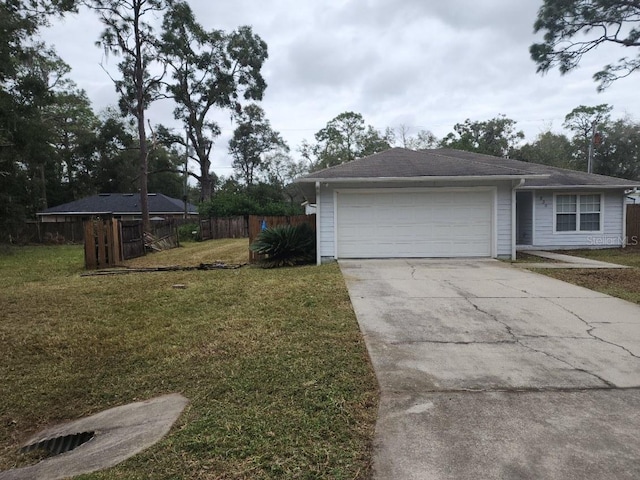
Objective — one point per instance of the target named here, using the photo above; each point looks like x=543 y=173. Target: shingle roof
x=557 y=177
x=400 y=163
x=121 y=203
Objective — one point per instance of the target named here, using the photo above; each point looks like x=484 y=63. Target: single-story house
x=125 y=206
x=451 y=203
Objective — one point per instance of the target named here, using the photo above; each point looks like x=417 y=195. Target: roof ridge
x=543 y=165
x=350 y=162
x=477 y=161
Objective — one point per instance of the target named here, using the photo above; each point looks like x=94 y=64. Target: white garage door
x=414 y=224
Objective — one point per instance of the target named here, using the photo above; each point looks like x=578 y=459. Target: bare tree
x=422 y=140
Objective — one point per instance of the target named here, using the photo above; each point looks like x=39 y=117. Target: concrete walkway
x=492 y=372
x=565 y=261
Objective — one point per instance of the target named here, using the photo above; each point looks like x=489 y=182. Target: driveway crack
x=495 y=319
x=500 y=282
x=530 y=348
x=413 y=271
x=450 y=342
x=591 y=328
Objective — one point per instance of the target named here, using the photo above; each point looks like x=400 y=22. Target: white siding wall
x=544 y=237
x=504 y=220
x=327 y=232
x=327 y=221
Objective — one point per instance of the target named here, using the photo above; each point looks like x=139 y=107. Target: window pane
x=589 y=203
x=589 y=222
x=565 y=222
x=566 y=204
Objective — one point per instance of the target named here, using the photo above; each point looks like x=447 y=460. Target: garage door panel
x=414 y=224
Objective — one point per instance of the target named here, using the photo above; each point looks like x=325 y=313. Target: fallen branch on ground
x=172 y=268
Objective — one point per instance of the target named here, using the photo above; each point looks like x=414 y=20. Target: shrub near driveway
x=272 y=361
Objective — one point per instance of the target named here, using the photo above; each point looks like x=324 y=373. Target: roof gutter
x=42 y=214
x=432 y=178
x=578 y=187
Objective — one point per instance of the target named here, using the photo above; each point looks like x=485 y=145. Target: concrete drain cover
x=58 y=445
x=100 y=441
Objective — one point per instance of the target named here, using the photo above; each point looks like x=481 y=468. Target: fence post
x=90 y=260
x=633 y=224
x=116 y=241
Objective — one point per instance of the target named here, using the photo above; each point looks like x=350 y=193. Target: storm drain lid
x=107 y=438
x=61 y=444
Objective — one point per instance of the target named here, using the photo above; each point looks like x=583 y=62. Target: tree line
x=54 y=148
x=614 y=143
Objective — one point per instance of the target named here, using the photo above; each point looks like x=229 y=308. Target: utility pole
x=591 y=145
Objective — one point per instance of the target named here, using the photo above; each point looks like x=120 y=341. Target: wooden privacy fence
x=102 y=246
x=231 y=227
x=633 y=224
x=131 y=239
x=109 y=241
x=257 y=223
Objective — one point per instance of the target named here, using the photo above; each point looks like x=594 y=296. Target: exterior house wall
x=326 y=199
x=524 y=235
x=505 y=230
x=326 y=248
x=612 y=234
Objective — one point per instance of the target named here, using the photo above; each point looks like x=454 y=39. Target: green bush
x=260 y=199
x=286 y=245
x=189 y=231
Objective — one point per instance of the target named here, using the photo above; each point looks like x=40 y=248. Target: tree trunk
x=43 y=182
x=139 y=113
x=206 y=187
x=144 y=156
x=206 y=183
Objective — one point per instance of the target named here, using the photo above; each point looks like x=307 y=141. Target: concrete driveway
x=492 y=372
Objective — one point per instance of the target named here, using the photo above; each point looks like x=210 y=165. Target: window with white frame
x=578 y=213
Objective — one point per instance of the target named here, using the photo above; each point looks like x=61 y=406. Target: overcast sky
x=427 y=64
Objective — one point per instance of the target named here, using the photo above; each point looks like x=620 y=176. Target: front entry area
x=394 y=223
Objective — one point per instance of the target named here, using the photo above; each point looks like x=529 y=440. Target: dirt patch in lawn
x=624 y=284
x=228 y=250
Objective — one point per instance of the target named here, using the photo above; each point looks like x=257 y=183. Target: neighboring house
x=633 y=198
x=450 y=203
x=125 y=206
x=309 y=208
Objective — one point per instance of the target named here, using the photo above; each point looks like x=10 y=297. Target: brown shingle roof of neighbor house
x=401 y=163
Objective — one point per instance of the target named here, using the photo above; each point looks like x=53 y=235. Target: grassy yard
x=623 y=283
x=624 y=256
x=272 y=362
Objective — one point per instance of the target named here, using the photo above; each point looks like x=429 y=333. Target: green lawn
x=622 y=283
x=272 y=362
x=624 y=256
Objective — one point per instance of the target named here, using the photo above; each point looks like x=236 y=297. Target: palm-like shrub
x=286 y=245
